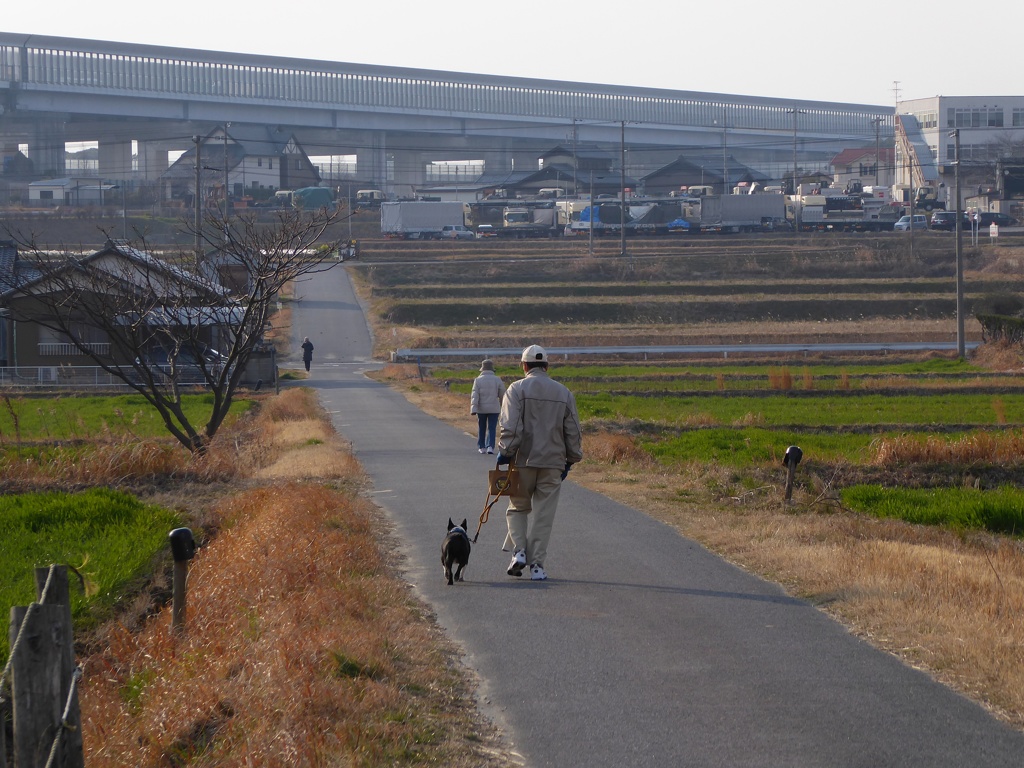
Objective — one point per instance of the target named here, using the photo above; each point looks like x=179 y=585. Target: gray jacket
x=539 y=423
x=488 y=390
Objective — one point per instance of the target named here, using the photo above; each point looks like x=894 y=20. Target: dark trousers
x=487 y=424
x=307 y=362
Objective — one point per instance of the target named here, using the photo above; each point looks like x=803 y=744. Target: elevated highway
x=54 y=90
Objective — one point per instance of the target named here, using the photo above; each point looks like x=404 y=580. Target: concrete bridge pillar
x=524 y=161
x=372 y=161
x=409 y=173
x=507 y=160
x=499 y=161
x=152 y=159
x=46 y=148
x=115 y=159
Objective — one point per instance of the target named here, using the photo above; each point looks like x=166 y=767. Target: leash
x=485 y=515
x=488 y=503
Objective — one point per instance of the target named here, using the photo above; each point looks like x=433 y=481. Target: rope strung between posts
x=64 y=725
x=21 y=631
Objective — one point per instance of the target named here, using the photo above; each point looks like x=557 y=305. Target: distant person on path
x=540 y=430
x=307 y=352
x=485 y=402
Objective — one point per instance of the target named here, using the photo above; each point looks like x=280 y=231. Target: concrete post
x=46 y=148
x=115 y=159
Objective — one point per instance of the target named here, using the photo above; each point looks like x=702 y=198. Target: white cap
x=534 y=354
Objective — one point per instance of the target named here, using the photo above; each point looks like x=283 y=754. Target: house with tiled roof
x=684 y=172
x=30 y=338
x=871 y=166
x=259 y=159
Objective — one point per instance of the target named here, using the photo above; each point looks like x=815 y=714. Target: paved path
x=642 y=649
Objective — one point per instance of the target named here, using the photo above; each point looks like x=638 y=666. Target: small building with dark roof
x=685 y=172
x=259 y=162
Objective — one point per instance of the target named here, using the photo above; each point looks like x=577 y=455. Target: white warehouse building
x=991 y=128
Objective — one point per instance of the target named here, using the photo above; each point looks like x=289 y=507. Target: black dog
x=455 y=550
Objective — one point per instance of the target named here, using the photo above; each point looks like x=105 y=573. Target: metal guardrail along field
x=73 y=377
x=686 y=349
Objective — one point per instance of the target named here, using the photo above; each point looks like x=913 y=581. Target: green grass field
x=78 y=418
x=746 y=430
x=110 y=536
x=1000 y=510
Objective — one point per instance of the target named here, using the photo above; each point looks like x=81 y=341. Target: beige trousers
x=540 y=488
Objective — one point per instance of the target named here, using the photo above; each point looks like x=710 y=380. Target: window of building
x=259 y=162
x=1018 y=117
x=271 y=163
x=46 y=194
x=973 y=117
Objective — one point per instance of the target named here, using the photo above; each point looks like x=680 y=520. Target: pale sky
x=812 y=49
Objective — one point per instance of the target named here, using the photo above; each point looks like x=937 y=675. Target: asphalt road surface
x=641 y=648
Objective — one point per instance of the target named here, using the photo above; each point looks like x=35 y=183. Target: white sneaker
x=490 y=450
x=518 y=564
x=537 y=572
x=479 y=450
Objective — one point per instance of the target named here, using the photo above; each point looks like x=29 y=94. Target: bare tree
x=161 y=324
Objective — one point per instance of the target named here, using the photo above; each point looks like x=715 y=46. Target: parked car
x=457 y=232
x=945 y=221
x=486 y=230
x=920 y=222
x=999 y=219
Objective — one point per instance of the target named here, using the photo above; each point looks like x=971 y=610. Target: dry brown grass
x=982 y=448
x=301 y=650
x=303 y=647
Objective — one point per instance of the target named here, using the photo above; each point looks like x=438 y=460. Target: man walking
x=307 y=352
x=540 y=432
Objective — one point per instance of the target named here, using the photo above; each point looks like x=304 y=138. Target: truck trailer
x=419 y=220
x=532 y=220
x=846 y=213
x=734 y=213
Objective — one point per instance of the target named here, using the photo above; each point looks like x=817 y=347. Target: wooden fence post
x=4 y=717
x=791 y=459
x=36 y=681
x=183 y=549
x=58 y=593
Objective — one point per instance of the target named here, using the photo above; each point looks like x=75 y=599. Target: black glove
x=503 y=459
x=568 y=466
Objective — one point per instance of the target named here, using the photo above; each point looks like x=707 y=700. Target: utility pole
x=725 y=160
x=197 y=202
x=593 y=212
x=226 y=203
x=960 y=344
x=226 y=171
x=876 y=122
x=622 y=187
x=575 y=162
x=796 y=180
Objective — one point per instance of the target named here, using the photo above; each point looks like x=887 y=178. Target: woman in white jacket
x=485 y=402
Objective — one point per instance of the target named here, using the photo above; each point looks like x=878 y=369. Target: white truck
x=544 y=220
x=735 y=213
x=846 y=213
x=418 y=219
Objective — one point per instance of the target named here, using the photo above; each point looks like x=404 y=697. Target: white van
x=920 y=223
x=457 y=232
